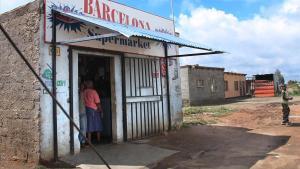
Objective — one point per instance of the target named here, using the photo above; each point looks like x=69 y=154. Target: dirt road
x=241 y=134
x=249 y=137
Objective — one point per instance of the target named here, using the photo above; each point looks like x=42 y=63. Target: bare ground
x=249 y=137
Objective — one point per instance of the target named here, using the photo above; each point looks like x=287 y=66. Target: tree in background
x=293 y=82
x=294 y=87
x=279 y=80
x=279 y=76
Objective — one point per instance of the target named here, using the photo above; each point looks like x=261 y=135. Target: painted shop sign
x=110 y=11
x=47 y=78
x=136 y=43
x=103 y=11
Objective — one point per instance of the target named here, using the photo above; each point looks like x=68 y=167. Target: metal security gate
x=146 y=109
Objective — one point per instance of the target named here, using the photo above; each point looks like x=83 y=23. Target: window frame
x=226 y=85
x=198 y=84
x=236 y=85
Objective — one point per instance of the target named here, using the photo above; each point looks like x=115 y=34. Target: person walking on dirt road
x=285 y=106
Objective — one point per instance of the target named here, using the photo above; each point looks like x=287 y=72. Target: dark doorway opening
x=97 y=69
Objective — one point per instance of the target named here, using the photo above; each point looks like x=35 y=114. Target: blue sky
x=4 y=6
x=243 y=9
x=260 y=36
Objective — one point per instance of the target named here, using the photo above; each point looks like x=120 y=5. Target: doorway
x=97 y=69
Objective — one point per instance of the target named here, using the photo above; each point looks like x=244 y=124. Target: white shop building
x=130 y=55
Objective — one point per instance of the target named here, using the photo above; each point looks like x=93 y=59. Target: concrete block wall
x=19 y=90
x=185 y=88
x=194 y=95
x=204 y=95
x=175 y=93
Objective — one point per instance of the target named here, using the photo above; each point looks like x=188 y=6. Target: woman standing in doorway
x=93 y=110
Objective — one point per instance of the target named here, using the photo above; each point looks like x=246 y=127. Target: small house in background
x=202 y=85
x=266 y=85
x=235 y=84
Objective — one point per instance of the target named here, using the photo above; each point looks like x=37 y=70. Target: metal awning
x=130 y=31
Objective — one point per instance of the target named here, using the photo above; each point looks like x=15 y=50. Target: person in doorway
x=285 y=105
x=82 y=115
x=93 y=111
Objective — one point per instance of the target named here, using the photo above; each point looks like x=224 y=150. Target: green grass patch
x=187 y=124
x=215 y=111
x=41 y=167
x=294 y=89
x=204 y=115
x=295 y=93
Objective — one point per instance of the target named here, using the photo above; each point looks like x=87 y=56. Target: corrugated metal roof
x=202 y=67
x=235 y=73
x=130 y=31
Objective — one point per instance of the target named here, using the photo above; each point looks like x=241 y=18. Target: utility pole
x=172 y=13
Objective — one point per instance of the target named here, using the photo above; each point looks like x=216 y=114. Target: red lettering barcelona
x=106 y=12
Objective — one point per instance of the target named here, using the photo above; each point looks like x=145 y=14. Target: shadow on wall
x=216 y=147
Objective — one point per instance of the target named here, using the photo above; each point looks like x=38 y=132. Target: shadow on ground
x=224 y=101
x=211 y=147
x=57 y=164
x=205 y=147
x=295 y=125
x=121 y=156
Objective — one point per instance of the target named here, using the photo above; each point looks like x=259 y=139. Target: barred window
x=200 y=83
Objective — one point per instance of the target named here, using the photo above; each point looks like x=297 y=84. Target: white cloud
x=257 y=45
x=291 y=7
x=5 y=6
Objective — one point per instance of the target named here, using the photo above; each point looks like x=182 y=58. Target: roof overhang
x=130 y=31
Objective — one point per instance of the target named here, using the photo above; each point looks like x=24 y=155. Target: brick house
x=235 y=84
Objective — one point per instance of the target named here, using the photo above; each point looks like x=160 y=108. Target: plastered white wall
x=46 y=103
x=175 y=92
